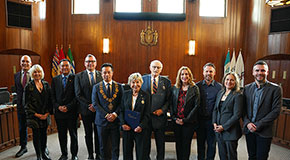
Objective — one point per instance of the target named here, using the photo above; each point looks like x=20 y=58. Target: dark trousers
x=258 y=147
x=183 y=137
x=22 y=129
x=205 y=134
x=128 y=143
x=90 y=133
x=227 y=149
x=39 y=140
x=64 y=125
x=109 y=139
x=159 y=135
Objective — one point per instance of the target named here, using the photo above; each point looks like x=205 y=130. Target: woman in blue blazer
x=184 y=107
x=138 y=101
x=226 y=115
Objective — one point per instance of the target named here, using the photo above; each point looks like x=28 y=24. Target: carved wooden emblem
x=149 y=37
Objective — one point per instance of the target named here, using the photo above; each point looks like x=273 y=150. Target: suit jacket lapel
x=189 y=94
x=218 y=99
x=263 y=96
x=227 y=100
x=130 y=101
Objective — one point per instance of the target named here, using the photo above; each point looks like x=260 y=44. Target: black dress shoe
x=21 y=152
x=46 y=157
x=63 y=157
x=74 y=158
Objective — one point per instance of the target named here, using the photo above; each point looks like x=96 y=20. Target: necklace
x=105 y=97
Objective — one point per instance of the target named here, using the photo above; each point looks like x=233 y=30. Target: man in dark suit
x=106 y=98
x=263 y=101
x=208 y=89
x=65 y=109
x=158 y=87
x=84 y=82
x=21 y=79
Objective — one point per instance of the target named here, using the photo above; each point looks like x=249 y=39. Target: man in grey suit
x=158 y=87
x=84 y=82
x=263 y=101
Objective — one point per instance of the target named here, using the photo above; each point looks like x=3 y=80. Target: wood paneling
x=213 y=36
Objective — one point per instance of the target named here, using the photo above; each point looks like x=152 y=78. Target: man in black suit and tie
x=158 y=87
x=21 y=79
x=263 y=101
x=106 y=98
x=84 y=82
x=65 y=109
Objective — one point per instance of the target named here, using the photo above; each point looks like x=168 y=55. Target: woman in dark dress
x=226 y=115
x=37 y=104
x=184 y=107
x=138 y=101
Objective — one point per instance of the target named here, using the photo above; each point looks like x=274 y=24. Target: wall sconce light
x=106 y=43
x=191 y=49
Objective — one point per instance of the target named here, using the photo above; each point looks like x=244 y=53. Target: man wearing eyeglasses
x=84 y=82
x=158 y=87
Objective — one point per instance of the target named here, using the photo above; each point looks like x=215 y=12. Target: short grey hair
x=135 y=76
x=34 y=68
x=157 y=62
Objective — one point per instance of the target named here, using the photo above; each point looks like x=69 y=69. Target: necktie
x=64 y=81
x=24 y=80
x=154 y=86
x=92 y=78
x=108 y=90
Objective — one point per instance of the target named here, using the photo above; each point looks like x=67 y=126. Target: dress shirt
x=152 y=80
x=64 y=78
x=106 y=84
x=111 y=82
x=257 y=99
x=210 y=91
x=134 y=98
x=27 y=76
x=94 y=72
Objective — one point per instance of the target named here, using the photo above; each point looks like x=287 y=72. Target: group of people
x=210 y=109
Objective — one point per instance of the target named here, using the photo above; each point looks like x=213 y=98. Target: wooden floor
x=276 y=153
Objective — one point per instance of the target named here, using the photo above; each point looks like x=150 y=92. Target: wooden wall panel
x=213 y=37
x=38 y=39
x=2 y=25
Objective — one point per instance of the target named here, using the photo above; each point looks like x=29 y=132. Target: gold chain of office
x=105 y=96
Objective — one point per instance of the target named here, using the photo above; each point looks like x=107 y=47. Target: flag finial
x=61 y=46
x=68 y=45
x=56 y=46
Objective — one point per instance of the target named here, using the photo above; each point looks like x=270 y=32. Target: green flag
x=69 y=56
x=227 y=65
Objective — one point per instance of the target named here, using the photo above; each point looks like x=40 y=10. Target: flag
x=69 y=56
x=233 y=62
x=240 y=68
x=227 y=63
x=54 y=64
x=61 y=54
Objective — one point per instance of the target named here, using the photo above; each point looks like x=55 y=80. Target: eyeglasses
x=156 y=67
x=90 y=61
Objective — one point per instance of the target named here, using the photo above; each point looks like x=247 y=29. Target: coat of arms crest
x=149 y=37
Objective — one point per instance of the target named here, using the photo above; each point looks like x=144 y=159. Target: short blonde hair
x=178 y=82
x=237 y=81
x=135 y=76
x=34 y=68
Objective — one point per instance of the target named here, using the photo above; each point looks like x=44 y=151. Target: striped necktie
x=154 y=86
